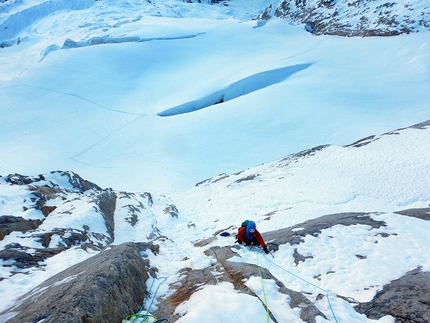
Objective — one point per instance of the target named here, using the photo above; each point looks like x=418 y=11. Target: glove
x=265 y=249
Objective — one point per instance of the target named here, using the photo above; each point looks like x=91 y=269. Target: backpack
x=244 y=224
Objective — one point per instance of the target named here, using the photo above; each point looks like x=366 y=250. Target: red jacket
x=257 y=235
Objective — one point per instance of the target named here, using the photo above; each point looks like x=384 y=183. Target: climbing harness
x=145 y=318
x=326 y=292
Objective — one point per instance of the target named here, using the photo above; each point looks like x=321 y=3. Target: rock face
x=111 y=285
x=10 y=223
x=47 y=195
x=104 y=288
x=423 y=214
x=60 y=210
x=76 y=181
x=407 y=299
x=315 y=226
x=236 y=273
x=353 y=18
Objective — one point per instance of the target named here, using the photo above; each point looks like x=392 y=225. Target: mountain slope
x=362 y=18
x=100 y=77
x=377 y=173
x=348 y=257
x=148 y=98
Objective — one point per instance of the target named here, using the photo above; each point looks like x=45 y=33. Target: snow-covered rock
x=104 y=288
x=354 y=18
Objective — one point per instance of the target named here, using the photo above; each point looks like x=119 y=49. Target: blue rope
x=147 y=316
x=326 y=292
x=295 y=275
x=152 y=301
x=143 y=304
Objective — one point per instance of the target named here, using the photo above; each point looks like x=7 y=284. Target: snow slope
x=387 y=174
x=99 y=78
x=380 y=175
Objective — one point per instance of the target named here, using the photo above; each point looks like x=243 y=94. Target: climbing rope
x=145 y=318
x=150 y=288
x=156 y=291
x=264 y=292
x=326 y=292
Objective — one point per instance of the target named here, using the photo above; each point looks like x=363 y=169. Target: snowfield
x=99 y=77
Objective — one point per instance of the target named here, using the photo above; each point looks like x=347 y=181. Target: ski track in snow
x=75 y=157
x=75 y=96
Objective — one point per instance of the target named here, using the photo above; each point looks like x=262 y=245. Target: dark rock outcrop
x=361 y=18
x=423 y=214
x=10 y=223
x=103 y=288
x=44 y=190
x=294 y=235
x=78 y=183
x=365 y=141
x=407 y=299
x=172 y=210
x=106 y=202
x=26 y=257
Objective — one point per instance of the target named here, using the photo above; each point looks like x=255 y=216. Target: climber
x=249 y=235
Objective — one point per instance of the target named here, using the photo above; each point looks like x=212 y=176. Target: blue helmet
x=250 y=230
